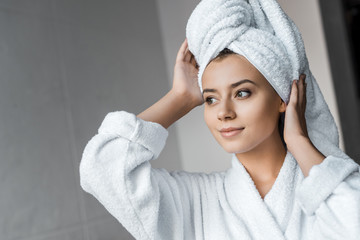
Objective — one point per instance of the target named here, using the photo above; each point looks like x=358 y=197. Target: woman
x=280 y=186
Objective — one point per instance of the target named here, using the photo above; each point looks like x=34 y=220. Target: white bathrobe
x=156 y=204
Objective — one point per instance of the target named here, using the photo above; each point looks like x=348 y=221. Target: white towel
x=262 y=32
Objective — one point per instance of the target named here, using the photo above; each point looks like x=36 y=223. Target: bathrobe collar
x=268 y=218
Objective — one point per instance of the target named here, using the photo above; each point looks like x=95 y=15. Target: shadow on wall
x=341 y=19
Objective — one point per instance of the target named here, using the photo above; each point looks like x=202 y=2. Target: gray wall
x=64 y=64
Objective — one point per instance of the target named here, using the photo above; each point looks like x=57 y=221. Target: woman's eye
x=210 y=100
x=242 y=93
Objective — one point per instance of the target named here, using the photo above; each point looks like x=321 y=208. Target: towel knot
x=239 y=26
x=219 y=21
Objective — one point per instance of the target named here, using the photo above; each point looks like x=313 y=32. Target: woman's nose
x=226 y=111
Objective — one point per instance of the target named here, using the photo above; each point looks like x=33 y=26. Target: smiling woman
x=241 y=104
x=235 y=112
x=272 y=190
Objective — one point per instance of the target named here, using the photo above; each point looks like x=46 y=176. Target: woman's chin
x=235 y=149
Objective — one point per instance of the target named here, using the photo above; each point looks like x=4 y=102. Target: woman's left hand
x=295 y=122
x=295 y=130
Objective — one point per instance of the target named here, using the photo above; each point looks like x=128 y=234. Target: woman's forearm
x=306 y=154
x=183 y=96
x=168 y=109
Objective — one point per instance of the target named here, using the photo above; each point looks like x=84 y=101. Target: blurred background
x=64 y=64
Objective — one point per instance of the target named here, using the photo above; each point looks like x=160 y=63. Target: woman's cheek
x=259 y=115
x=248 y=112
x=210 y=118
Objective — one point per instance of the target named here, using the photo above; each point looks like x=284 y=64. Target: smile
x=230 y=132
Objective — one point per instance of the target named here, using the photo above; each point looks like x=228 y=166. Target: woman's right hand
x=184 y=95
x=185 y=81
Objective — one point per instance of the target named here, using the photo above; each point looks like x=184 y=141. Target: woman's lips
x=230 y=132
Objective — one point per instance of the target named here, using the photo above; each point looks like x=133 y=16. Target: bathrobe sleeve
x=331 y=194
x=150 y=203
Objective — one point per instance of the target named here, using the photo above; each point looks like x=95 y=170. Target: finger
x=186 y=45
x=305 y=93
x=188 y=54
x=181 y=52
x=193 y=61
x=300 y=84
x=293 y=93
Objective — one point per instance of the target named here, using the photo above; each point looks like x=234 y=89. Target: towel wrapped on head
x=261 y=31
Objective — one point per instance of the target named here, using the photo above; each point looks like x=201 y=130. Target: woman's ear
x=282 y=106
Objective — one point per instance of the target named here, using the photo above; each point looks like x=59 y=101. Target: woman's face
x=241 y=107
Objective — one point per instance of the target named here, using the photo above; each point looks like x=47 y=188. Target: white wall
x=199 y=151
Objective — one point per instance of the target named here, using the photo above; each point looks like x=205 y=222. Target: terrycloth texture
x=155 y=204
x=262 y=32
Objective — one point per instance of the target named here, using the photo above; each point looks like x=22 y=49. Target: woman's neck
x=264 y=162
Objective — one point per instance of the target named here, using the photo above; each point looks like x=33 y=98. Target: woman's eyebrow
x=234 y=85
